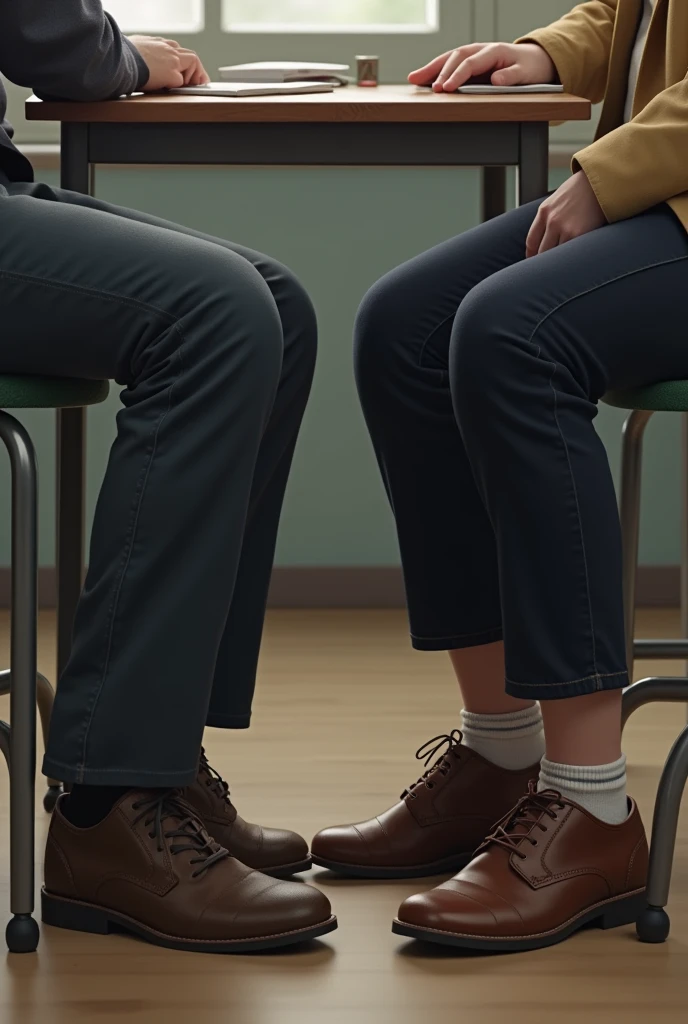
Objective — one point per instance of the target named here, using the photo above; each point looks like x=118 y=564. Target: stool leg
x=629 y=510
x=654 y=690
x=22 y=930
x=653 y=924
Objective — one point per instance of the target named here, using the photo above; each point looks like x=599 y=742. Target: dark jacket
x=62 y=49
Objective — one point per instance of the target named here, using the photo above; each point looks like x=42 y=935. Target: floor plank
x=343 y=703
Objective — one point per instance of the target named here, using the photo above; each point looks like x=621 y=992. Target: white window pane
x=157 y=15
x=330 y=16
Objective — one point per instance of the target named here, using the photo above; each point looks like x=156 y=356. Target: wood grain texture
x=388 y=103
x=343 y=703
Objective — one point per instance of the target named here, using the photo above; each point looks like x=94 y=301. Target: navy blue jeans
x=479 y=373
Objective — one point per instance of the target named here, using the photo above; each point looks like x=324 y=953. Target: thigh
x=606 y=310
x=413 y=307
x=292 y=300
x=83 y=292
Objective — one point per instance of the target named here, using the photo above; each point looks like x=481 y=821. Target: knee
x=243 y=325
x=299 y=323
x=381 y=323
x=483 y=356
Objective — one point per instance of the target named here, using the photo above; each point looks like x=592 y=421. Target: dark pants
x=215 y=346
x=479 y=373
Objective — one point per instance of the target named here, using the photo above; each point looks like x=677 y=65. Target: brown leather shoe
x=548 y=869
x=438 y=823
x=151 y=869
x=274 y=851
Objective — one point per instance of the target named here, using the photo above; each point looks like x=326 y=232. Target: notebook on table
x=286 y=71
x=253 y=89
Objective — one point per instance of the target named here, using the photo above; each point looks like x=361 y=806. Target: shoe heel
x=77 y=917
x=626 y=911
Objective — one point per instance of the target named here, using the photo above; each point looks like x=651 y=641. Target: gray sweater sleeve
x=69 y=49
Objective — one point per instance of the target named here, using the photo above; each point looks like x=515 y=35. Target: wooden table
x=394 y=125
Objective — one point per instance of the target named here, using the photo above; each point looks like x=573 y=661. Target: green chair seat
x=27 y=392
x=670 y=396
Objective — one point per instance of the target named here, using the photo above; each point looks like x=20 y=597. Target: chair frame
x=18 y=741
x=654 y=924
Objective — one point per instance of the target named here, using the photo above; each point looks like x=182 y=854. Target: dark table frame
x=493 y=146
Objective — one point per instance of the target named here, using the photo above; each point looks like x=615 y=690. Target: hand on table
x=171 y=65
x=505 y=63
x=571 y=211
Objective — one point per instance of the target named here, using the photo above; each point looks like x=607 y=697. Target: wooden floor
x=343 y=704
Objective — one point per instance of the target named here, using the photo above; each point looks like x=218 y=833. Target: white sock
x=599 y=788
x=514 y=741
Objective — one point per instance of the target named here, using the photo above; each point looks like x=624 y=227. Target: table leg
x=493 y=192
x=71 y=437
x=533 y=166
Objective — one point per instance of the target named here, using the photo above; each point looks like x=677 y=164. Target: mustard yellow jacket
x=630 y=166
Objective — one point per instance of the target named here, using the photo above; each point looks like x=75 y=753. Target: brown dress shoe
x=548 y=869
x=437 y=824
x=273 y=851
x=151 y=869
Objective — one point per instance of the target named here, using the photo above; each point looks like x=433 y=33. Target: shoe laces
x=214 y=781
x=441 y=767
x=518 y=826
x=156 y=810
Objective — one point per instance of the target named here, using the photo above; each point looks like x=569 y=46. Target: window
x=157 y=15
x=334 y=16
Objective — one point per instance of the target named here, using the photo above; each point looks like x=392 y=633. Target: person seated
x=479 y=366
x=214 y=345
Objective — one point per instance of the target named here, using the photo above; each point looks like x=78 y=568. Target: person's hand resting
x=171 y=65
x=504 y=63
x=571 y=211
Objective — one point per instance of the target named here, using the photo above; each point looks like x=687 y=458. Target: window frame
x=172 y=30
x=292 y=28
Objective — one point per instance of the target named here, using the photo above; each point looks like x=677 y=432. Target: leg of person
x=276 y=851
x=194 y=334
x=449 y=560
x=533 y=350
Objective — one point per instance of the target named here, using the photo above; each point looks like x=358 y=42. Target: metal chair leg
x=653 y=924
x=46 y=699
x=654 y=689
x=629 y=511
x=22 y=930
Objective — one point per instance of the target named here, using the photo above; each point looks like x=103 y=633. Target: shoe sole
x=287 y=870
x=610 y=914
x=440 y=867
x=75 y=915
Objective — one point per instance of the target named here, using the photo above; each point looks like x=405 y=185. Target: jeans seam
x=129 y=541
x=531 y=341
x=121 y=771
x=99 y=293
x=578 y=514
x=598 y=676
x=457 y=636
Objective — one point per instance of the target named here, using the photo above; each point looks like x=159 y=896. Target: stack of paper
x=286 y=71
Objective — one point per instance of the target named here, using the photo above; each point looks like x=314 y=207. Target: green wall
x=339 y=229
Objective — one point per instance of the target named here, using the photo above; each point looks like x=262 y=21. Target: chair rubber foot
x=51 y=797
x=22 y=934
x=653 y=925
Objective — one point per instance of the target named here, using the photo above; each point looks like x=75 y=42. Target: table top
x=388 y=103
